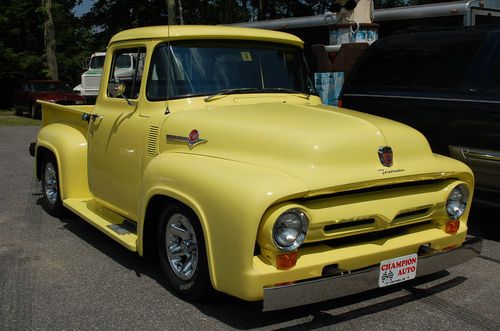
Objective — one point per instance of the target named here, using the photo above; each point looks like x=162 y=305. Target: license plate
x=397 y=270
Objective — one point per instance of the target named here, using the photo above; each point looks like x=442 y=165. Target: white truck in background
x=91 y=78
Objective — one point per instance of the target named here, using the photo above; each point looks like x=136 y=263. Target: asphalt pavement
x=64 y=274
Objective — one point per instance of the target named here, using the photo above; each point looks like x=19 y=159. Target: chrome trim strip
x=419 y=98
x=482 y=156
x=182 y=139
x=281 y=297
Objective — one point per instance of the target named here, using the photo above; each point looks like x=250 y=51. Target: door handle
x=87 y=117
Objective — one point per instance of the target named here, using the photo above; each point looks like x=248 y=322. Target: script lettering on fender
x=391 y=171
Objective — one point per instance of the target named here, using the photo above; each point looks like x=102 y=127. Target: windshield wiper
x=254 y=89
x=231 y=91
x=286 y=90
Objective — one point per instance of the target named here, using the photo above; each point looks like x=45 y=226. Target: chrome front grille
x=349 y=224
x=375 y=209
x=376 y=235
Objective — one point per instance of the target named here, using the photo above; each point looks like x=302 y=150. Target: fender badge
x=192 y=140
x=385 y=156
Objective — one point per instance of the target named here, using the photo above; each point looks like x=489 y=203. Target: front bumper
x=306 y=292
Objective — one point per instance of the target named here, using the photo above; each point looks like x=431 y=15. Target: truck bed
x=55 y=113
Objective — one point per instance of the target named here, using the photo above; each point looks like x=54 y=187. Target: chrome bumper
x=281 y=297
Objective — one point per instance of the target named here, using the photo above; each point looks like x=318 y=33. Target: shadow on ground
x=248 y=315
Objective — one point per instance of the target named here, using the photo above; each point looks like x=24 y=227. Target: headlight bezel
x=301 y=230
x=459 y=194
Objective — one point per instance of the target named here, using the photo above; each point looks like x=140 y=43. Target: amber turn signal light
x=285 y=261
x=452 y=226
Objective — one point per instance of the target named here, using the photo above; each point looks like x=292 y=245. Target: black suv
x=444 y=83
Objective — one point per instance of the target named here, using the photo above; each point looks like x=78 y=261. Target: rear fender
x=69 y=146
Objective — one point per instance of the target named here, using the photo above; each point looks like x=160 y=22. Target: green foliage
x=21 y=37
x=390 y=3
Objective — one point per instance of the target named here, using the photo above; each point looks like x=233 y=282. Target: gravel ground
x=64 y=274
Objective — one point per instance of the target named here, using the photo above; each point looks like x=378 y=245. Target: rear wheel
x=182 y=254
x=50 y=186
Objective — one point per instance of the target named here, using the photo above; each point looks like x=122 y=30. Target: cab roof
x=187 y=32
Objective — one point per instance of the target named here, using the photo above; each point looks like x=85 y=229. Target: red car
x=48 y=90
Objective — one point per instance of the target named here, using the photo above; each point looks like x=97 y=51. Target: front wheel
x=50 y=186
x=182 y=254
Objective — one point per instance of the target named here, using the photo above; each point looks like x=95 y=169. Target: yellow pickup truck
x=217 y=155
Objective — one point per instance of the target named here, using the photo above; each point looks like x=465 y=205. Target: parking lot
x=64 y=274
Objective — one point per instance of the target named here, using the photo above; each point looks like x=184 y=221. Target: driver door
x=115 y=134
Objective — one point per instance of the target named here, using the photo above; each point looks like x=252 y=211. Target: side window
x=495 y=80
x=430 y=61
x=126 y=70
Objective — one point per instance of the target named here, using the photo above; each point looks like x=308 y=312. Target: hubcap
x=50 y=183
x=181 y=246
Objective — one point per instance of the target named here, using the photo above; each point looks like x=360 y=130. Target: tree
x=389 y=3
x=108 y=17
x=22 y=43
x=50 y=40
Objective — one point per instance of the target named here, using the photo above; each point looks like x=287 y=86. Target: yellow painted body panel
x=264 y=154
x=190 y=32
x=64 y=134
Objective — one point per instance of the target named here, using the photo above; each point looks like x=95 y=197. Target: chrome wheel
x=181 y=246
x=50 y=181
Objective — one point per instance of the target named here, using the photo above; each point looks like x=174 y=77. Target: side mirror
x=116 y=89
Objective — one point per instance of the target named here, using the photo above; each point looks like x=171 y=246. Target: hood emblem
x=385 y=156
x=192 y=140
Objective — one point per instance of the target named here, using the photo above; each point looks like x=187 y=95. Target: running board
x=111 y=224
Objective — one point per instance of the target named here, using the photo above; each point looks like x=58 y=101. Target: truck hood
x=319 y=145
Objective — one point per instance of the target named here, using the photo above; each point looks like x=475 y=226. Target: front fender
x=69 y=146
x=229 y=199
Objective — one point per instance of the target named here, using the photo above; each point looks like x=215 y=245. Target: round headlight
x=457 y=201
x=290 y=229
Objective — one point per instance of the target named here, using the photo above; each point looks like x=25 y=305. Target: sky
x=83 y=8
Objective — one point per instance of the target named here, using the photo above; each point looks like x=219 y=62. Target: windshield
x=49 y=86
x=199 y=68
x=97 y=62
